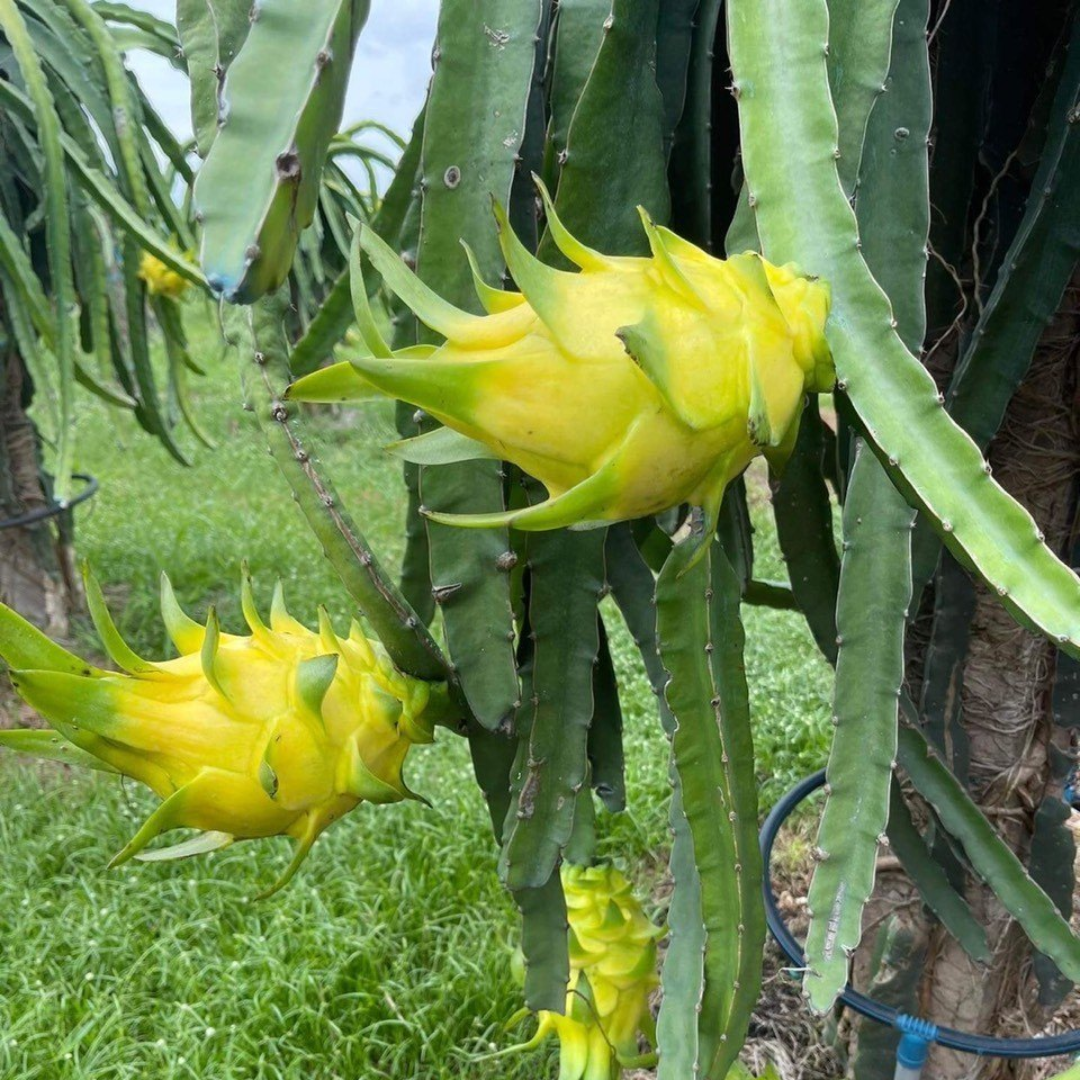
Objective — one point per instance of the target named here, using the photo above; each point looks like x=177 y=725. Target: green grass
x=388 y=956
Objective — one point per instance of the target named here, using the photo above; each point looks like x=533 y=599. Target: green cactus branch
x=484 y=54
x=406 y=638
x=989 y=856
x=281 y=104
x=567 y=579
x=57 y=225
x=789 y=130
x=700 y=643
x=893 y=211
x=932 y=882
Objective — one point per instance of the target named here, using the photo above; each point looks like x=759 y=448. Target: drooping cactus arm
x=789 y=141
x=281 y=103
x=563 y=622
x=700 y=640
x=104 y=193
x=893 y=210
x=266 y=374
x=57 y=225
x=485 y=52
x=990 y=858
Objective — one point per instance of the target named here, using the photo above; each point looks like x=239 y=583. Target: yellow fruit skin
x=612 y=977
x=628 y=387
x=277 y=733
x=160 y=280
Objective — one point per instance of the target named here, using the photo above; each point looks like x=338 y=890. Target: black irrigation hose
x=1050 y=1046
x=53 y=509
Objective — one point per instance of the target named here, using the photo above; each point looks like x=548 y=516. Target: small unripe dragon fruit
x=280 y=732
x=627 y=388
x=160 y=279
x=612 y=976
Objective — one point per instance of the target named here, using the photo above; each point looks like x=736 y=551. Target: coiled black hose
x=1049 y=1046
x=44 y=512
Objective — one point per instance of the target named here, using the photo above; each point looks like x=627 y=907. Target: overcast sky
x=389 y=76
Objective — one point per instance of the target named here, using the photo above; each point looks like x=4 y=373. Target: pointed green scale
x=268 y=777
x=579 y=254
x=169 y=815
x=281 y=622
x=50 y=746
x=327 y=634
x=644 y=345
x=542 y=286
x=330 y=385
x=209 y=651
x=669 y=269
x=364 y=784
x=303 y=848
x=117 y=648
x=184 y=632
x=777 y=390
x=247 y=603
x=24 y=646
x=443 y=446
x=365 y=319
x=494 y=301
x=314 y=678
x=585 y=502
x=79 y=707
x=202 y=844
x=445 y=388
x=430 y=308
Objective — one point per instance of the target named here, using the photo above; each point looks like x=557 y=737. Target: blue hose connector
x=916 y=1037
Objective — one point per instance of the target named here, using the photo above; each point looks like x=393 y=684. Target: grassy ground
x=388 y=957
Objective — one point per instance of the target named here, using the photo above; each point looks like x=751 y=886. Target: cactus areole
x=277 y=733
x=628 y=388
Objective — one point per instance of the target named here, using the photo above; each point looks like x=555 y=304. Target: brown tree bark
x=1008 y=677
x=1005 y=713
x=32 y=563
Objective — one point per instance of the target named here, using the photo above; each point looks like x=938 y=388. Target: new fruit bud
x=612 y=948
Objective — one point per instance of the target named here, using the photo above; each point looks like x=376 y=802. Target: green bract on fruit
x=279 y=732
x=633 y=386
x=612 y=975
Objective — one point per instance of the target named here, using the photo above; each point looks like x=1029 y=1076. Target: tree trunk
x=1006 y=724
x=33 y=580
x=1008 y=677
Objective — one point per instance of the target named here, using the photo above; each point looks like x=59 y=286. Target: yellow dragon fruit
x=160 y=279
x=280 y=732
x=630 y=387
x=612 y=976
